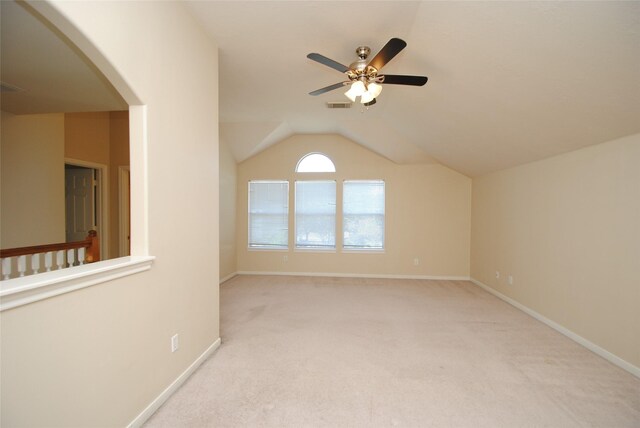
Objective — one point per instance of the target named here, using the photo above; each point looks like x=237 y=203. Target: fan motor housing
x=358 y=70
x=360 y=65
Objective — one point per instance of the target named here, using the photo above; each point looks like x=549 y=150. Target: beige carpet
x=346 y=352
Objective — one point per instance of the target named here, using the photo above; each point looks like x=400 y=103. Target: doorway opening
x=86 y=206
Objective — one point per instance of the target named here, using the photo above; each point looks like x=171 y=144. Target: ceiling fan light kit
x=364 y=79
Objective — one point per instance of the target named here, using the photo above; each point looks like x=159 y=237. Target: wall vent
x=339 y=104
x=5 y=87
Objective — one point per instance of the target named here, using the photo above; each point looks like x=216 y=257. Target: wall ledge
x=22 y=291
x=612 y=358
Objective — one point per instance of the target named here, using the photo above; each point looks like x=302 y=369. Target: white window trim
x=22 y=291
x=315 y=250
x=363 y=250
x=282 y=250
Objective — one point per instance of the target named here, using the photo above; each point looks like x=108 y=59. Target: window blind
x=269 y=214
x=315 y=214
x=363 y=214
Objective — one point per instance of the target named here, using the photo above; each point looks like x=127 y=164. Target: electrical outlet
x=416 y=261
x=510 y=280
x=497 y=275
x=285 y=259
x=174 y=343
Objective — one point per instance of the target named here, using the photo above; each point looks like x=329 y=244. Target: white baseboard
x=357 y=275
x=160 y=399
x=228 y=277
x=623 y=364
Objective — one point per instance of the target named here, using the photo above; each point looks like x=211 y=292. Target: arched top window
x=315 y=162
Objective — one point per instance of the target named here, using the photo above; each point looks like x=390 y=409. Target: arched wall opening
x=137 y=119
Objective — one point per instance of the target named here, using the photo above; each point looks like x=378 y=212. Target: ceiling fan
x=364 y=78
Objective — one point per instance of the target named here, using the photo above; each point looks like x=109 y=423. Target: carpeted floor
x=353 y=352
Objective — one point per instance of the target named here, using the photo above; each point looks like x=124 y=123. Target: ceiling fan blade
x=328 y=62
x=328 y=88
x=396 y=79
x=386 y=54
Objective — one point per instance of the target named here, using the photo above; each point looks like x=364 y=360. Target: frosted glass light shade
x=358 y=87
x=366 y=97
x=356 y=90
x=375 y=89
x=351 y=95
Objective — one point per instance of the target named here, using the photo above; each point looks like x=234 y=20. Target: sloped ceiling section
x=246 y=138
x=509 y=82
x=376 y=137
x=52 y=74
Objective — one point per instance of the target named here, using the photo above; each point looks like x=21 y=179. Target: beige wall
x=86 y=136
x=568 y=230
x=427 y=212
x=100 y=355
x=32 y=204
x=228 y=178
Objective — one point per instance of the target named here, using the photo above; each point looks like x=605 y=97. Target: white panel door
x=125 y=218
x=80 y=203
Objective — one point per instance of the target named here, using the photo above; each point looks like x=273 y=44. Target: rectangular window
x=363 y=215
x=316 y=214
x=269 y=214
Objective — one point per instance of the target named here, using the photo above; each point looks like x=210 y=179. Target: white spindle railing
x=22 y=265
x=31 y=264
x=71 y=257
x=35 y=264
x=6 y=268
x=60 y=259
x=20 y=262
x=48 y=260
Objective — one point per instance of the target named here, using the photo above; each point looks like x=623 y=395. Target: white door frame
x=124 y=194
x=102 y=201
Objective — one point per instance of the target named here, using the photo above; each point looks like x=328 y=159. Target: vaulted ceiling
x=509 y=82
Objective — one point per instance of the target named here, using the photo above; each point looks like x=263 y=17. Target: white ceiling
x=509 y=82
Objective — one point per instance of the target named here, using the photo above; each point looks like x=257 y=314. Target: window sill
x=281 y=250
x=364 y=250
x=22 y=291
x=315 y=250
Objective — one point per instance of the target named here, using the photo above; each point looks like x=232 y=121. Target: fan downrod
x=363 y=52
x=358 y=69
